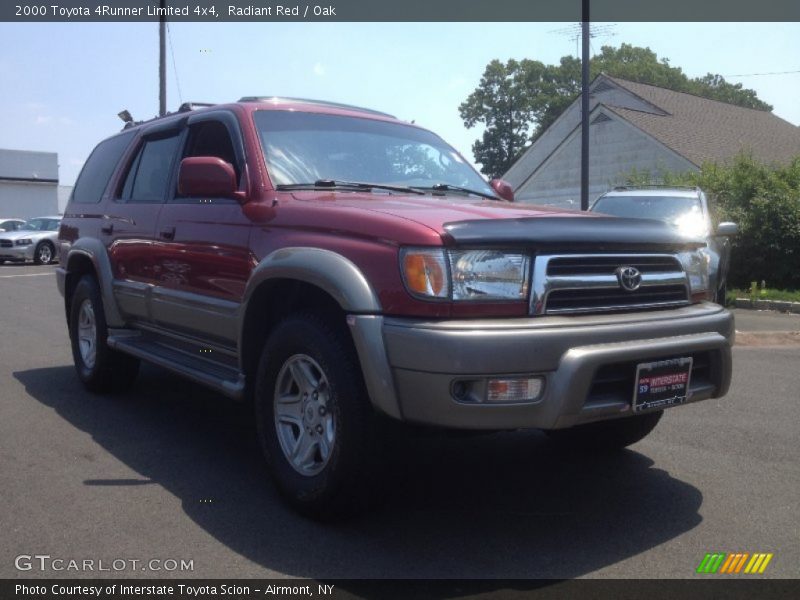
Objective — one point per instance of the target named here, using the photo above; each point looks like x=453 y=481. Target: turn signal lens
x=425 y=273
x=514 y=390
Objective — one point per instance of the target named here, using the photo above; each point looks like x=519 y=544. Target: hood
x=432 y=211
x=470 y=220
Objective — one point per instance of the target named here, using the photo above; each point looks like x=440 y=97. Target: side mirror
x=207 y=176
x=503 y=189
x=727 y=228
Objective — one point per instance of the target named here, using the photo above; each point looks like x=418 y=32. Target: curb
x=778 y=305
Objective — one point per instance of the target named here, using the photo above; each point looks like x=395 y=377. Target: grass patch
x=763 y=294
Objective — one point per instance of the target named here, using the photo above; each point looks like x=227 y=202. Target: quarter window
x=99 y=167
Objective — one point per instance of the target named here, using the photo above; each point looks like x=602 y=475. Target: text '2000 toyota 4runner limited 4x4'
x=340 y=269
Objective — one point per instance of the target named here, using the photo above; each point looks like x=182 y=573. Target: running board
x=212 y=374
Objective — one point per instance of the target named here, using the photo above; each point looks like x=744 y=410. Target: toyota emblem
x=630 y=278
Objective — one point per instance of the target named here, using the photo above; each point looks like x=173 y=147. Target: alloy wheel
x=304 y=421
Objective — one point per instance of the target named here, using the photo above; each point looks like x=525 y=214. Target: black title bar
x=399 y=10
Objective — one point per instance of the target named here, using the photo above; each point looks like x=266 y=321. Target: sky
x=62 y=84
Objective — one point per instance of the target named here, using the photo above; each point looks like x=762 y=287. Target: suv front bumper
x=587 y=362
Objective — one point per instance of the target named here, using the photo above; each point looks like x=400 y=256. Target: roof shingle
x=703 y=130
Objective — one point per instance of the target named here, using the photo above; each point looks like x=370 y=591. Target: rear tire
x=100 y=368
x=44 y=254
x=317 y=428
x=607 y=435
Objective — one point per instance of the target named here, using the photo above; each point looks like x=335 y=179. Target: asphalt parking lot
x=171 y=471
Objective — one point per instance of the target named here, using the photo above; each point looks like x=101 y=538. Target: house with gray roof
x=646 y=128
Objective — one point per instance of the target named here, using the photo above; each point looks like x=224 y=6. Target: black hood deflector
x=570 y=232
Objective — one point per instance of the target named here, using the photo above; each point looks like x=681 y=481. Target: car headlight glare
x=23 y=242
x=695 y=263
x=466 y=275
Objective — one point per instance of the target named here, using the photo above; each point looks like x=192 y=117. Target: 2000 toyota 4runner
x=338 y=268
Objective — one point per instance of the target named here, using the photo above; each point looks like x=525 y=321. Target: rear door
x=201 y=255
x=128 y=227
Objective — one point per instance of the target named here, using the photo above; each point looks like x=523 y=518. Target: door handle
x=107 y=229
x=168 y=233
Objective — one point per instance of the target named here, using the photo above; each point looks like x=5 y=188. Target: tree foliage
x=517 y=100
x=765 y=202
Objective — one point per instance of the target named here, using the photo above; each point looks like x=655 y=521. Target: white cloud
x=319 y=70
x=42 y=119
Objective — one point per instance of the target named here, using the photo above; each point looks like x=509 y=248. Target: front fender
x=327 y=270
x=345 y=283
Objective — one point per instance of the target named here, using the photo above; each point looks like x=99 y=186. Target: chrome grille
x=6 y=244
x=589 y=283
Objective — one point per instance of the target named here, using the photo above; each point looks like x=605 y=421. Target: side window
x=210 y=138
x=149 y=172
x=98 y=169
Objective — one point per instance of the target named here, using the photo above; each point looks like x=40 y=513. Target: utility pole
x=585 y=105
x=162 y=60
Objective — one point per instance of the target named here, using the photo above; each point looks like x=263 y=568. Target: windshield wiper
x=446 y=187
x=335 y=183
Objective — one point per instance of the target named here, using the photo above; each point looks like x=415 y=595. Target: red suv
x=339 y=268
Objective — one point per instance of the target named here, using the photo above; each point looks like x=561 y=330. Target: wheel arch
x=89 y=256
x=293 y=279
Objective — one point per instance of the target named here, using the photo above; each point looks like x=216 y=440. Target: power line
x=174 y=66
x=757 y=74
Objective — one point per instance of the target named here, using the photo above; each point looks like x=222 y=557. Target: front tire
x=100 y=368
x=44 y=254
x=316 y=425
x=721 y=295
x=615 y=434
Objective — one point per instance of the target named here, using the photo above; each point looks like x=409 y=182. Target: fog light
x=514 y=390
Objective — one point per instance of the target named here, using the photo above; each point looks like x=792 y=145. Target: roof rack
x=187 y=106
x=655 y=186
x=317 y=102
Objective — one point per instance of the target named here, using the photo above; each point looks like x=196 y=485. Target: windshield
x=683 y=212
x=40 y=225
x=302 y=148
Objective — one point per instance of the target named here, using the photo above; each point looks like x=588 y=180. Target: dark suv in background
x=686 y=209
x=340 y=269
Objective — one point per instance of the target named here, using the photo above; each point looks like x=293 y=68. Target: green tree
x=501 y=102
x=765 y=202
x=518 y=100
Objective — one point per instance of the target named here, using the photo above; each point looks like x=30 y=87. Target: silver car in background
x=687 y=210
x=35 y=240
x=11 y=224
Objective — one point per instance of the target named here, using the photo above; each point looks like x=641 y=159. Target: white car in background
x=10 y=225
x=34 y=240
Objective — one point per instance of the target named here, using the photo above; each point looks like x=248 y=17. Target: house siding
x=615 y=148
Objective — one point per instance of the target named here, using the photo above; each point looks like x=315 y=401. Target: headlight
x=23 y=242
x=469 y=275
x=695 y=263
x=489 y=275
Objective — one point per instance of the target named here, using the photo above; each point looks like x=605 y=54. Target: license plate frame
x=662 y=383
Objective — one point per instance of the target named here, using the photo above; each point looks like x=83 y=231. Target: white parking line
x=25 y=275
